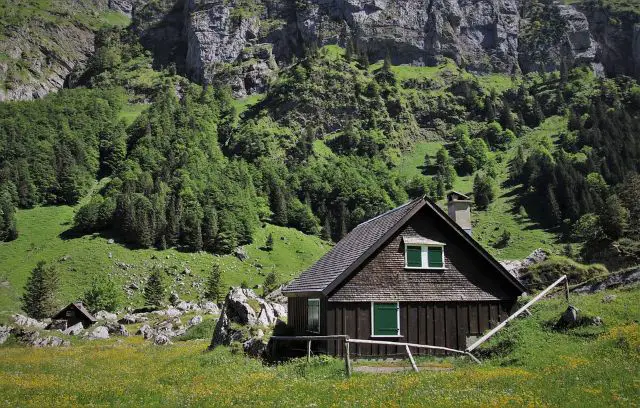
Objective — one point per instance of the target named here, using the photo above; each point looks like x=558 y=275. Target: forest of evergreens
x=317 y=153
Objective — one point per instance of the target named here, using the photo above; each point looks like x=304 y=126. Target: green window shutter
x=414 y=256
x=435 y=257
x=385 y=319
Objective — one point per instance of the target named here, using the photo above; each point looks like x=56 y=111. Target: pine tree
x=279 y=206
x=553 y=208
x=8 y=228
x=506 y=118
x=348 y=52
x=39 y=299
x=214 y=284
x=614 y=218
x=270 y=282
x=154 y=289
x=269 y=243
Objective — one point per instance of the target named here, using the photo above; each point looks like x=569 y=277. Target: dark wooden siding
x=446 y=324
x=297 y=314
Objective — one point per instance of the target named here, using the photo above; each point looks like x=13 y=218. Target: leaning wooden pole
x=516 y=314
x=566 y=289
x=413 y=362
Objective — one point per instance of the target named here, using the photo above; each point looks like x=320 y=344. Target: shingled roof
x=324 y=276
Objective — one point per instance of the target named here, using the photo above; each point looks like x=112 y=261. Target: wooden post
x=566 y=289
x=413 y=363
x=347 y=358
x=308 y=350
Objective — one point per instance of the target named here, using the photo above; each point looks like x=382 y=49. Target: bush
x=199 y=331
x=541 y=275
x=103 y=295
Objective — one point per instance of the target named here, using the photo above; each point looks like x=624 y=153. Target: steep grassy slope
x=44 y=236
x=591 y=367
x=503 y=214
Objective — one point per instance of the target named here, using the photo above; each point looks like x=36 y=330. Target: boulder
x=276 y=296
x=117 y=329
x=133 y=318
x=255 y=347
x=210 y=308
x=99 y=333
x=161 y=340
x=29 y=337
x=266 y=317
x=195 y=320
x=146 y=331
x=104 y=315
x=570 y=317
x=279 y=310
x=5 y=332
x=74 y=330
x=172 y=312
x=237 y=306
x=184 y=306
x=241 y=253
x=174 y=298
x=608 y=298
x=24 y=322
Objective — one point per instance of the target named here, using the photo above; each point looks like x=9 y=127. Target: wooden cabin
x=75 y=313
x=412 y=274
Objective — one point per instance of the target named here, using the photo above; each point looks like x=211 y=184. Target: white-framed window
x=385 y=319
x=313 y=315
x=424 y=256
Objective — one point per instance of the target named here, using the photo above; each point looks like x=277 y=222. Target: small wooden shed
x=75 y=313
x=409 y=275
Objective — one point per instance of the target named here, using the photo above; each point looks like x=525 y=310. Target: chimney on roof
x=459 y=209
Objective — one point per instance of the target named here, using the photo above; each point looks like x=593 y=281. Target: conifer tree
x=270 y=282
x=154 y=289
x=269 y=243
x=8 y=228
x=214 y=284
x=483 y=191
x=39 y=299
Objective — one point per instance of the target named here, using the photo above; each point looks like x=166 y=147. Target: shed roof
x=78 y=306
x=355 y=248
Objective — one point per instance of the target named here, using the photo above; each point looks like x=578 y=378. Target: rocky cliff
x=242 y=42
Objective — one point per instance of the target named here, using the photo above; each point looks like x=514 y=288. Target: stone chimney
x=459 y=208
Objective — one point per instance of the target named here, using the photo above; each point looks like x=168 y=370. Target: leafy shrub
x=543 y=274
x=203 y=330
x=103 y=295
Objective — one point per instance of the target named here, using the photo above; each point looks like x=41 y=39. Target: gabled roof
x=355 y=248
x=78 y=306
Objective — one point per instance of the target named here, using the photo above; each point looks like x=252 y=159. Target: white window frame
x=373 y=329
x=424 y=252
x=319 y=314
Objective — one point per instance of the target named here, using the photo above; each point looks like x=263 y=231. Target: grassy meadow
x=44 y=236
x=528 y=364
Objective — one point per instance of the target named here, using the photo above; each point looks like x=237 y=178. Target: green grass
x=131 y=111
x=245 y=103
x=587 y=367
x=503 y=214
x=115 y=19
x=81 y=259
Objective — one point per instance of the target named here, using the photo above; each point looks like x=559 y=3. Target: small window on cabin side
x=313 y=315
x=385 y=319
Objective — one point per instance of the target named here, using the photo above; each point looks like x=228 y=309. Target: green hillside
x=44 y=236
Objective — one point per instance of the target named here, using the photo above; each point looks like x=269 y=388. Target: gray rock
x=255 y=347
x=570 y=317
x=110 y=241
x=29 y=337
x=614 y=280
x=195 y=320
x=161 y=340
x=133 y=318
x=266 y=317
x=172 y=312
x=279 y=310
x=609 y=298
x=117 y=329
x=241 y=253
x=174 y=298
x=99 y=333
x=184 y=306
x=515 y=267
x=74 y=330
x=104 y=315
x=24 y=322
x=5 y=332
x=210 y=308
x=146 y=331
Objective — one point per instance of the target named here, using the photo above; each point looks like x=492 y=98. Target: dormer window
x=422 y=253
